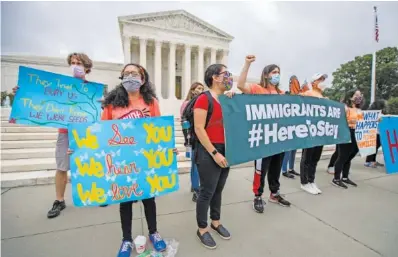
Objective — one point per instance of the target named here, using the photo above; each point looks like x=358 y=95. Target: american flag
x=376 y=25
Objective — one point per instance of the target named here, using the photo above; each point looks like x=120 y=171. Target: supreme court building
x=174 y=46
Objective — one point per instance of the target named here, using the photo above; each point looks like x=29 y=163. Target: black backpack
x=187 y=115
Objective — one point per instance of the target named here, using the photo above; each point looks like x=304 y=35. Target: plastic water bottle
x=186 y=130
x=7 y=102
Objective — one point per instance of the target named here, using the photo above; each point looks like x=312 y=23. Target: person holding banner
x=371 y=159
x=134 y=98
x=80 y=65
x=311 y=156
x=269 y=84
x=346 y=152
x=195 y=90
x=210 y=151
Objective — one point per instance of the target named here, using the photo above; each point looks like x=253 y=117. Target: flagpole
x=373 y=75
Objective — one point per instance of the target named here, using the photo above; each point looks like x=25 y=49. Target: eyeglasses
x=226 y=74
x=131 y=73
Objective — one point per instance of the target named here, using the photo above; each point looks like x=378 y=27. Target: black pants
x=372 y=157
x=345 y=153
x=309 y=160
x=126 y=216
x=271 y=165
x=212 y=181
x=333 y=158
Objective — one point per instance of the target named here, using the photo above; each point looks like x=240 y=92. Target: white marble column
x=158 y=68
x=201 y=74
x=213 y=53
x=143 y=42
x=127 y=49
x=172 y=71
x=225 y=57
x=187 y=70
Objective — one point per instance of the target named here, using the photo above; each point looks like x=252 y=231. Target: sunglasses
x=226 y=74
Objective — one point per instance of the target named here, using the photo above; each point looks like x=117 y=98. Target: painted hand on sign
x=117 y=164
x=54 y=100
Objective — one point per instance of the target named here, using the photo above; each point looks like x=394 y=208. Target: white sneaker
x=315 y=187
x=330 y=170
x=309 y=189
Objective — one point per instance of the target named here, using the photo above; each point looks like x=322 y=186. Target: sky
x=303 y=38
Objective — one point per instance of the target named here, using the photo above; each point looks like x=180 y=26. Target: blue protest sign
x=389 y=141
x=122 y=160
x=258 y=126
x=54 y=100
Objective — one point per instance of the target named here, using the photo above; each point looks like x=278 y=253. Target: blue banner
x=389 y=141
x=258 y=126
x=54 y=100
x=122 y=160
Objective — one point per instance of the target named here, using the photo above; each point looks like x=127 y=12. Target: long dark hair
x=193 y=87
x=264 y=76
x=119 y=97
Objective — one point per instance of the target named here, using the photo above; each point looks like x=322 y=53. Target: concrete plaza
x=358 y=222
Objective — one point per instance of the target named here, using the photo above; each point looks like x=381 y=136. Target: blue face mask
x=274 y=80
x=131 y=84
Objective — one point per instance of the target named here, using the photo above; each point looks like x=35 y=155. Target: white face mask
x=321 y=85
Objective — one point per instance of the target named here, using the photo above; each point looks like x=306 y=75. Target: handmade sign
x=366 y=132
x=389 y=142
x=258 y=126
x=54 y=100
x=122 y=160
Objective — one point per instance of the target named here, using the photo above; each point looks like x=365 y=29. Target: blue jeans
x=288 y=159
x=194 y=173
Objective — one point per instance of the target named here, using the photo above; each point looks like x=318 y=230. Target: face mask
x=321 y=85
x=358 y=100
x=274 y=80
x=78 y=71
x=228 y=83
x=131 y=84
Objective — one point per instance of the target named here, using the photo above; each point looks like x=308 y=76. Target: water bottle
x=7 y=102
x=186 y=130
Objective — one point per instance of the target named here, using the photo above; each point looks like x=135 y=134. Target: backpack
x=187 y=115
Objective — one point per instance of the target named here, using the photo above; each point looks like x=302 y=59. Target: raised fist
x=250 y=58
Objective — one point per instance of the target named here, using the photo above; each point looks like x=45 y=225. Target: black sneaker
x=103 y=205
x=58 y=206
x=222 y=231
x=294 y=172
x=207 y=240
x=258 y=204
x=279 y=199
x=349 y=182
x=192 y=190
x=338 y=183
x=379 y=164
x=195 y=196
x=287 y=174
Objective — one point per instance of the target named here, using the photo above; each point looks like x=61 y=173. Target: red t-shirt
x=215 y=128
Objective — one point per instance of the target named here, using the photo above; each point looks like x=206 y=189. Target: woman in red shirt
x=269 y=85
x=212 y=165
x=134 y=98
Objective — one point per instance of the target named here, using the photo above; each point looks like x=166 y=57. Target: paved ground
x=358 y=222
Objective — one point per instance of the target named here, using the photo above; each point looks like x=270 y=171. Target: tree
x=357 y=74
x=392 y=106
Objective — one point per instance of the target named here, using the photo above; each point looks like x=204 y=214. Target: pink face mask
x=78 y=71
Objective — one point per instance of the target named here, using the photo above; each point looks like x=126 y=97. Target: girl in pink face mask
x=80 y=65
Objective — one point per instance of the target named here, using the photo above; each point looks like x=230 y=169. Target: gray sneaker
x=222 y=231
x=207 y=240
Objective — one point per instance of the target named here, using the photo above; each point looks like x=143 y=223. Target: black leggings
x=126 y=217
x=333 y=158
x=309 y=160
x=372 y=157
x=212 y=182
x=270 y=166
x=345 y=153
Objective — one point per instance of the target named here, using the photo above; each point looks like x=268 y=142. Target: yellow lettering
x=75 y=112
x=161 y=183
x=27 y=102
x=157 y=159
x=90 y=141
x=36 y=79
x=51 y=108
x=93 y=169
x=157 y=134
x=60 y=85
x=94 y=194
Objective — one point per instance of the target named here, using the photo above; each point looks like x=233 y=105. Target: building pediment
x=177 y=20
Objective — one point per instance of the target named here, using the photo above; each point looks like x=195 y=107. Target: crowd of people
x=134 y=97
